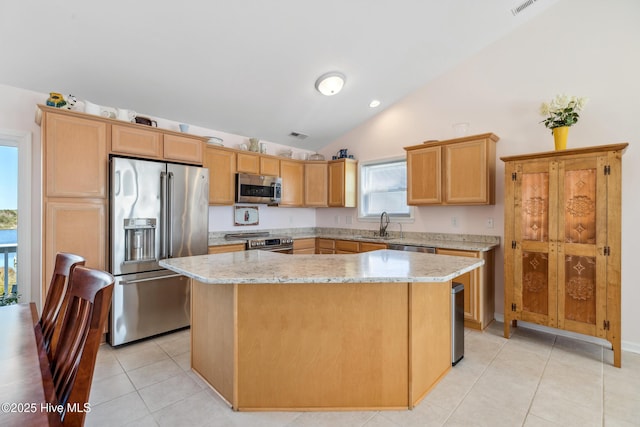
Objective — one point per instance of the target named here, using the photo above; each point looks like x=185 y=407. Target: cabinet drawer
x=347 y=246
x=366 y=246
x=304 y=244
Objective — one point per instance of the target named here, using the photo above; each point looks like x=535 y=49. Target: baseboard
x=626 y=345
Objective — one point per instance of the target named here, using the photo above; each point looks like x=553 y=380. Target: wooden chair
x=53 y=304
x=88 y=301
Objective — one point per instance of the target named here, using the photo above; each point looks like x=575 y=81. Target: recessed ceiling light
x=330 y=83
x=375 y=103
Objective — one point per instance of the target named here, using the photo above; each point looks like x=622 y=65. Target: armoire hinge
x=513 y=244
x=607 y=251
x=513 y=307
x=605 y=325
x=514 y=176
x=607 y=170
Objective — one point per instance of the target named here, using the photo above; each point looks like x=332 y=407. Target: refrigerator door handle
x=170 y=216
x=163 y=215
x=148 y=279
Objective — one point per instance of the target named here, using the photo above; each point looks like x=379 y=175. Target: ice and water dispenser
x=140 y=239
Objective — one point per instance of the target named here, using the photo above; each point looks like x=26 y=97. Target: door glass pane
x=535 y=283
x=8 y=223
x=580 y=206
x=580 y=289
x=535 y=206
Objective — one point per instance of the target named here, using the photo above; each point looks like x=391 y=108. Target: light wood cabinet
x=315 y=184
x=369 y=246
x=459 y=171
x=325 y=246
x=257 y=164
x=74 y=156
x=304 y=246
x=269 y=166
x=479 y=290
x=562 y=233
x=347 y=247
x=222 y=173
x=143 y=141
x=342 y=183
x=75 y=190
x=182 y=149
x=292 y=174
x=220 y=249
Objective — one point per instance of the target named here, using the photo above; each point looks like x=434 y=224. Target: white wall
x=579 y=47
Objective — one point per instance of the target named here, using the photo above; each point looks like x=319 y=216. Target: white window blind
x=383 y=187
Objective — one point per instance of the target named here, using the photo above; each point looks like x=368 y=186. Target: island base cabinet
x=321 y=347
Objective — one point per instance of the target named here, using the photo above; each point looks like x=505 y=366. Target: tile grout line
x=475 y=382
x=555 y=337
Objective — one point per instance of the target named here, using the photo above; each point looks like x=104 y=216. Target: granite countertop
x=382 y=266
x=465 y=242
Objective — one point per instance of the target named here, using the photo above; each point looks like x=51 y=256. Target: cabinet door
x=424 y=176
x=182 y=149
x=76 y=227
x=470 y=282
x=367 y=246
x=347 y=247
x=269 y=166
x=222 y=171
x=535 y=258
x=466 y=172
x=315 y=184
x=292 y=174
x=135 y=141
x=582 y=229
x=236 y=247
x=75 y=157
x=248 y=163
x=342 y=183
x=326 y=246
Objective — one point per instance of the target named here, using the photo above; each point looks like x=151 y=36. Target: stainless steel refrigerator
x=158 y=210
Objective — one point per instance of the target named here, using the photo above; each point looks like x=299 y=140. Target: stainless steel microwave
x=258 y=189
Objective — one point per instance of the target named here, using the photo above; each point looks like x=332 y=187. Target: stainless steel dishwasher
x=457 y=306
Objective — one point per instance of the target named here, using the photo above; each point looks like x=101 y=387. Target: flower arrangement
x=562 y=111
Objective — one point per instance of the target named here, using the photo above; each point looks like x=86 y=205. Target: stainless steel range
x=264 y=241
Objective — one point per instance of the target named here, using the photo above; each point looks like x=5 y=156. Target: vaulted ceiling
x=247 y=66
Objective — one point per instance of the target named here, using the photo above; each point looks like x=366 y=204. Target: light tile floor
x=533 y=379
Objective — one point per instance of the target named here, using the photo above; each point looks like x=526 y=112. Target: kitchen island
x=321 y=332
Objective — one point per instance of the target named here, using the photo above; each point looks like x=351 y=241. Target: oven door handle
x=148 y=279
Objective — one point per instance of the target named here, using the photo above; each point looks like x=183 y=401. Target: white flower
x=562 y=110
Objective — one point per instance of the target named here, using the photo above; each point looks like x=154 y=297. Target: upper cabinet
x=75 y=156
x=315 y=184
x=342 y=183
x=257 y=164
x=292 y=174
x=221 y=163
x=141 y=141
x=458 y=171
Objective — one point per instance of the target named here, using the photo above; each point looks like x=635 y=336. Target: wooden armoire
x=562 y=241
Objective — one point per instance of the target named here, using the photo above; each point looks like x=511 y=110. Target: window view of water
x=8 y=242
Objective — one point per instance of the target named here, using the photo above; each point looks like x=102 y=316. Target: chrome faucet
x=384 y=223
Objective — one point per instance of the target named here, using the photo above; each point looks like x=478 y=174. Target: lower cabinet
x=479 y=304
x=325 y=246
x=304 y=246
x=220 y=249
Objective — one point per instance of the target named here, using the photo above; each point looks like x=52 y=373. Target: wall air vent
x=298 y=135
x=522 y=7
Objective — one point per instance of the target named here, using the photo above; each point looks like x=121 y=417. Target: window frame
x=376 y=218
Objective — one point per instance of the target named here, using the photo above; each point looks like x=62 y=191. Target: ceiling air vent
x=298 y=135
x=522 y=7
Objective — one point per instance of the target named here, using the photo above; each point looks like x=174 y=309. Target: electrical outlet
x=348 y=220
x=290 y=219
x=336 y=219
x=454 y=221
x=489 y=222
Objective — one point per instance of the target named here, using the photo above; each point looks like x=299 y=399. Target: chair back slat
x=54 y=302
x=88 y=301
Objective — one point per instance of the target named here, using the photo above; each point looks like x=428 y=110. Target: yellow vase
x=560 y=137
